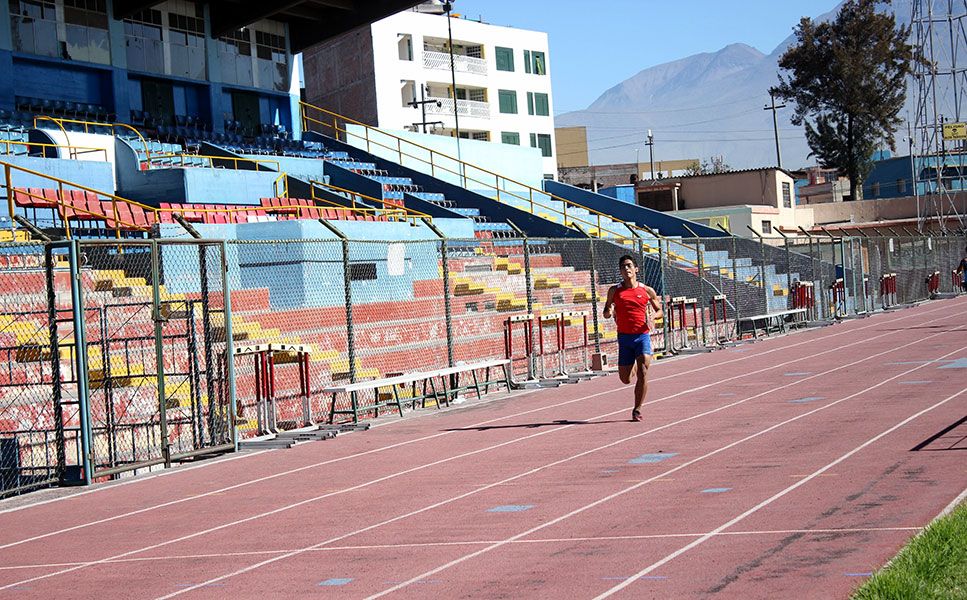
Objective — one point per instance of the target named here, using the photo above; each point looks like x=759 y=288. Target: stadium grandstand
x=193 y=259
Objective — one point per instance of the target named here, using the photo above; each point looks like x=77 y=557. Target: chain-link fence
x=120 y=355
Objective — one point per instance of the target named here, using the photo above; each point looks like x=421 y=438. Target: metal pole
x=348 y=293
x=80 y=341
x=529 y=288
x=447 y=307
x=448 y=6
x=229 y=346
x=159 y=353
x=55 y=362
x=775 y=126
x=594 y=301
x=651 y=153
x=701 y=288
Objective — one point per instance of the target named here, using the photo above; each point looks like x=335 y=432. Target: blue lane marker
x=915 y=382
x=715 y=490
x=798 y=374
x=652 y=458
x=858 y=574
x=336 y=581
x=511 y=508
x=960 y=363
x=806 y=399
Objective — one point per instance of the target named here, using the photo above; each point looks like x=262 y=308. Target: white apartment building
x=402 y=79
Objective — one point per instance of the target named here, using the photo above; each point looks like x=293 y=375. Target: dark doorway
x=158 y=100
x=245 y=109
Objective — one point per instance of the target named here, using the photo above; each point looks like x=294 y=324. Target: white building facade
x=503 y=80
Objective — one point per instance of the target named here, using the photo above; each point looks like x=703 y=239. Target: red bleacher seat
x=32 y=198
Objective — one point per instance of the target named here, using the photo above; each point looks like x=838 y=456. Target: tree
x=717 y=165
x=847 y=79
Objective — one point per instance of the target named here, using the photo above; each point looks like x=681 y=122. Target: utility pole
x=448 y=6
x=421 y=103
x=775 y=126
x=651 y=153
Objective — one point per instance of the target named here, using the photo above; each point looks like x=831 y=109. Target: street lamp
x=447 y=7
x=651 y=153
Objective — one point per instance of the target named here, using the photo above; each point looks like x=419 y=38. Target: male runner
x=631 y=300
x=962 y=271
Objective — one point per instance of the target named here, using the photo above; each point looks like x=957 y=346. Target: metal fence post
x=348 y=292
x=229 y=346
x=594 y=301
x=55 y=362
x=80 y=341
x=735 y=284
x=159 y=352
x=529 y=293
x=701 y=287
x=447 y=306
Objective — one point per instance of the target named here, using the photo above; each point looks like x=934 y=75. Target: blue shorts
x=631 y=346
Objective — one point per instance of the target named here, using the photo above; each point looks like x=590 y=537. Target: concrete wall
x=519 y=163
x=884 y=209
x=96 y=175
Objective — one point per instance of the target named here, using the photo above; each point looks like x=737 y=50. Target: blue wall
x=625 y=193
x=96 y=175
x=667 y=225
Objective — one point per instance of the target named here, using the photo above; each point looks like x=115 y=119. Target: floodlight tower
x=938 y=34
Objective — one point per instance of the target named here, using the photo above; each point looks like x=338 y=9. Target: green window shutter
x=508 y=101
x=539 y=64
x=510 y=137
x=544 y=143
x=505 y=58
x=541 y=105
x=530 y=103
x=533 y=140
x=527 y=61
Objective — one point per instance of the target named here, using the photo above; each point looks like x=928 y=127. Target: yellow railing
x=596 y=225
x=73 y=151
x=151 y=213
x=178 y=159
x=407 y=213
x=281 y=187
x=90 y=124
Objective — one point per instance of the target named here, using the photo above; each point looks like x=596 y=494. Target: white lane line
x=436 y=435
x=568 y=459
x=233 y=523
x=538 y=541
x=638 y=485
x=776 y=496
x=114 y=485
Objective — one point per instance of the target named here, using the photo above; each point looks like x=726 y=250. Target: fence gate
x=155 y=325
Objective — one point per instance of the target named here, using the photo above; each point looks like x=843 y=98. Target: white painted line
x=568 y=459
x=537 y=541
x=113 y=485
x=393 y=475
x=436 y=435
x=776 y=496
x=638 y=485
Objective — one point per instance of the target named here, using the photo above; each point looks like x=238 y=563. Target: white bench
x=426 y=377
x=775 y=321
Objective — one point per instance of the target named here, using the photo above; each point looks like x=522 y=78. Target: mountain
x=705 y=105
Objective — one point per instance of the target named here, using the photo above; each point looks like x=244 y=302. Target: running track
x=792 y=467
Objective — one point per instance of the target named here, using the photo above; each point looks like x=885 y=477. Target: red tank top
x=631 y=309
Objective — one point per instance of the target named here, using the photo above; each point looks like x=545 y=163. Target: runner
x=962 y=271
x=632 y=301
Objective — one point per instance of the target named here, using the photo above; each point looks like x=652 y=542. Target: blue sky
x=593 y=49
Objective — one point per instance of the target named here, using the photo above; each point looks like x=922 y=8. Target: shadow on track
x=535 y=425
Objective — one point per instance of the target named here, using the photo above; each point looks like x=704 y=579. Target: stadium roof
x=310 y=21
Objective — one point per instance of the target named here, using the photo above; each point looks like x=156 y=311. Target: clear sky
x=596 y=45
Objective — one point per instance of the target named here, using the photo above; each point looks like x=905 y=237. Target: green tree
x=847 y=80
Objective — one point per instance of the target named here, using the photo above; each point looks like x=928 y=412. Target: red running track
x=792 y=467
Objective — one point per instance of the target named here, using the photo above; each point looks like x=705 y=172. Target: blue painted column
x=120 y=88
x=214 y=75
x=6 y=57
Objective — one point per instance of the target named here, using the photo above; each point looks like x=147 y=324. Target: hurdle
x=956 y=279
x=804 y=296
x=527 y=324
x=677 y=324
x=264 y=413
x=888 y=290
x=720 y=316
x=572 y=318
x=933 y=284
x=284 y=353
x=837 y=297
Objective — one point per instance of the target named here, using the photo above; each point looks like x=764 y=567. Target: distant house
x=763 y=199
x=892 y=177
x=821 y=185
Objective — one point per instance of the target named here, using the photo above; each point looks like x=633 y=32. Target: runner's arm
x=655 y=303
x=608 y=303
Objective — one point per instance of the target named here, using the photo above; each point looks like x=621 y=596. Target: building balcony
x=465 y=108
x=461 y=62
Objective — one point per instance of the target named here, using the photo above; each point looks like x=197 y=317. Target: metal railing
x=72 y=151
x=465 y=64
x=89 y=127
